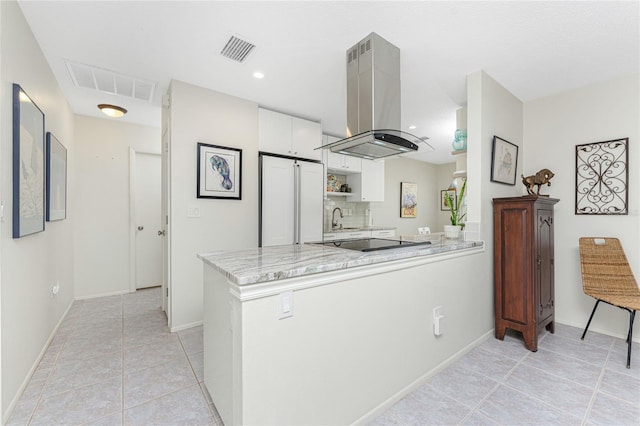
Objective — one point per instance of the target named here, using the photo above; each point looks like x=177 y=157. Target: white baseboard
x=622 y=335
x=23 y=386
x=94 y=296
x=185 y=326
x=384 y=406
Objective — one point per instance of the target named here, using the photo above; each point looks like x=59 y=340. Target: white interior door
x=164 y=215
x=148 y=254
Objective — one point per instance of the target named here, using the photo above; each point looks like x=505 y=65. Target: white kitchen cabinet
x=341 y=163
x=348 y=235
x=383 y=233
x=354 y=234
x=286 y=135
x=368 y=185
x=306 y=136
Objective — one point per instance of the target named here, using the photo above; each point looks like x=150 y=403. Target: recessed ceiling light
x=412 y=127
x=258 y=75
x=113 y=111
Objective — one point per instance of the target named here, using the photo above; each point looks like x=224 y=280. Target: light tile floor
x=566 y=382
x=113 y=362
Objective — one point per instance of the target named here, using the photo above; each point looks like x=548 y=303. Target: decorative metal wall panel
x=602 y=173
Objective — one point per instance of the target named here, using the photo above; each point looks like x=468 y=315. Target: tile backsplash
x=355 y=214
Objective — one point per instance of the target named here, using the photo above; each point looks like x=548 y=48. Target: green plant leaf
x=456 y=216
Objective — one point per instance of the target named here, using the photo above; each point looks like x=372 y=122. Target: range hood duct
x=374 y=103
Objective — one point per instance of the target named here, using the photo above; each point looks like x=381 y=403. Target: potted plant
x=457 y=216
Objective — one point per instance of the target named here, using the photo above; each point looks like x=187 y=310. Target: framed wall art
x=219 y=172
x=408 y=199
x=443 y=202
x=56 y=179
x=504 y=161
x=602 y=176
x=28 y=165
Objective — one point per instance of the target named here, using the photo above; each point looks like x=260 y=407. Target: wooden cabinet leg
x=531 y=340
x=551 y=327
x=500 y=332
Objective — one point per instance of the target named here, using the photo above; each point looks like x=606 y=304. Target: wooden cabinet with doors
x=524 y=266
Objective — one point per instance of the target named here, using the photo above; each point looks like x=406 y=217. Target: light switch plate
x=193 y=211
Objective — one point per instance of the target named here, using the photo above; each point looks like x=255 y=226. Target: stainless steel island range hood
x=374 y=103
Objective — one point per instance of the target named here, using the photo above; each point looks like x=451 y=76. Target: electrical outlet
x=438 y=317
x=55 y=289
x=285 y=304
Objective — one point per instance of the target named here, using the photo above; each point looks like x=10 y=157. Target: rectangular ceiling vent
x=237 y=49
x=105 y=81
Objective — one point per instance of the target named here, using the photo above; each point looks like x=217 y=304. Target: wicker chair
x=607 y=277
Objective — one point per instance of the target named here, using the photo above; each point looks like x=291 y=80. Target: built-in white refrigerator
x=291 y=201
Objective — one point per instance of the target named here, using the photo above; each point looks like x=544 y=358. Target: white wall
x=431 y=178
x=444 y=178
x=201 y=115
x=102 y=193
x=33 y=264
x=492 y=110
x=553 y=127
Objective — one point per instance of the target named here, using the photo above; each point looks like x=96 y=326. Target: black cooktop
x=372 y=244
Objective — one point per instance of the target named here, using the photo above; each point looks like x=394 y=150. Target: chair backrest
x=424 y=230
x=606 y=273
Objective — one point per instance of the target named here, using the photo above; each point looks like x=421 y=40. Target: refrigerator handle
x=296 y=203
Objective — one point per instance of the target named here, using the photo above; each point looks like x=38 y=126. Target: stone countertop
x=362 y=228
x=260 y=265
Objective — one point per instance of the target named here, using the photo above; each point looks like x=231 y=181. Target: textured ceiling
x=534 y=49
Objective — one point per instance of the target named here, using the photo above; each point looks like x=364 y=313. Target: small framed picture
x=219 y=172
x=56 y=179
x=504 y=161
x=443 y=202
x=28 y=165
x=408 y=199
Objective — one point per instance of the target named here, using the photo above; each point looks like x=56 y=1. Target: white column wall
x=201 y=115
x=553 y=127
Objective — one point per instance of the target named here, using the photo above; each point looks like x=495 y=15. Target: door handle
x=140 y=228
x=161 y=233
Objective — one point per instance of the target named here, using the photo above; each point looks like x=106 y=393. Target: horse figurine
x=539 y=179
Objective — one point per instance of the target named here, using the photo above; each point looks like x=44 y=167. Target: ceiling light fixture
x=412 y=127
x=113 y=111
x=258 y=75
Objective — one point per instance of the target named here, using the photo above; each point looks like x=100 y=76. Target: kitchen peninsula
x=312 y=334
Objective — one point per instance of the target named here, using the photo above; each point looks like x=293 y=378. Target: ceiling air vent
x=237 y=49
x=105 y=81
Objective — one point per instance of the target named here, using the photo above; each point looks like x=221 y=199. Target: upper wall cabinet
x=291 y=136
x=344 y=164
x=369 y=184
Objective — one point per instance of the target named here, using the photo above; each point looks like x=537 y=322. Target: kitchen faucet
x=334 y=223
